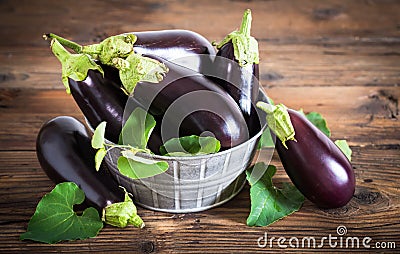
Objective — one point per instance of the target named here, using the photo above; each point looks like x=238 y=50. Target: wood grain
x=374 y=205
x=281 y=65
x=367 y=110
x=340 y=58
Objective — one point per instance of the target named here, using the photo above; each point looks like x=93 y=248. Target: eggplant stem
x=59 y=51
x=67 y=43
x=245 y=27
x=268 y=108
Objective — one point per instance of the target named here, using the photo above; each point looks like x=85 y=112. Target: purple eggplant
x=316 y=165
x=101 y=99
x=187 y=103
x=170 y=44
x=236 y=70
x=93 y=88
x=184 y=47
x=65 y=153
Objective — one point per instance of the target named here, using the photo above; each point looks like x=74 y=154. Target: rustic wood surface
x=340 y=58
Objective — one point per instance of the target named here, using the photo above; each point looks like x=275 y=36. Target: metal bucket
x=194 y=183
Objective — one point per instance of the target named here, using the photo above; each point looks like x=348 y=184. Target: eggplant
x=316 y=166
x=236 y=70
x=101 y=99
x=64 y=151
x=169 y=44
x=183 y=47
x=188 y=103
x=93 y=89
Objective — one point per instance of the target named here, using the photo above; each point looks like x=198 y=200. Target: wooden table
x=340 y=58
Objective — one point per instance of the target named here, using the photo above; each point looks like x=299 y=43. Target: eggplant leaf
x=268 y=203
x=138 y=169
x=317 y=119
x=55 y=220
x=266 y=140
x=190 y=146
x=98 y=136
x=344 y=147
x=137 y=129
x=98 y=159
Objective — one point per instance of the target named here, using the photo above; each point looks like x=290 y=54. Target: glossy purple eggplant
x=183 y=47
x=239 y=77
x=101 y=99
x=65 y=153
x=316 y=165
x=241 y=83
x=187 y=103
x=246 y=87
x=171 y=44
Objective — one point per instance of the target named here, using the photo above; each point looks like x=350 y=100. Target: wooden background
x=340 y=58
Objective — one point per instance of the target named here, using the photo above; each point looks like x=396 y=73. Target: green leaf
x=131 y=154
x=74 y=66
x=317 y=119
x=137 y=68
x=139 y=169
x=98 y=159
x=266 y=140
x=344 y=147
x=98 y=136
x=137 y=129
x=268 y=203
x=190 y=146
x=122 y=214
x=55 y=220
x=271 y=101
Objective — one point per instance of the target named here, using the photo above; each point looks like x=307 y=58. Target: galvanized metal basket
x=191 y=184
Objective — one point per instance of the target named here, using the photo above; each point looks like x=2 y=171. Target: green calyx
x=245 y=46
x=74 y=66
x=278 y=121
x=116 y=51
x=118 y=46
x=137 y=68
x=122 y=214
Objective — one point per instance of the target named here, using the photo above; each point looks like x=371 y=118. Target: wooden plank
x=340 y=58
x=281 y=65
x=279 y=21
x=23 y=112
x=357 y=114
x=373 y=212
x=362 y=115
